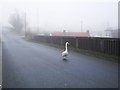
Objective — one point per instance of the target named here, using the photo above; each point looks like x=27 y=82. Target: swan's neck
x=66 y=49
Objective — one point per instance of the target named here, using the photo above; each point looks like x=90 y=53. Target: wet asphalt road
x=31 y=65
x=0 y=65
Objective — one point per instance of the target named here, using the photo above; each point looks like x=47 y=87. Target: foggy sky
x=57 y=15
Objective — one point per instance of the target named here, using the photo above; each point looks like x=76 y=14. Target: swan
x=65 y=53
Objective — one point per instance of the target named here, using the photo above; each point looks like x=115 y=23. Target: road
x=0 y=65
x=31 y=65
x=0 y=60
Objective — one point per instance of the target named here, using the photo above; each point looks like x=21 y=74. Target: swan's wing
x=64 y=54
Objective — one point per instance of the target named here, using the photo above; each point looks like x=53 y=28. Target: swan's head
x=67 y=43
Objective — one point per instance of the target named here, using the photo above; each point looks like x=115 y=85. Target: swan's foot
x=64 y=58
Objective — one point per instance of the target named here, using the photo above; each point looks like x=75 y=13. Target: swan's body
x=65 y=53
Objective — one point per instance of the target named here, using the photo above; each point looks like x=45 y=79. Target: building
x=112 y=33
x=73 y=34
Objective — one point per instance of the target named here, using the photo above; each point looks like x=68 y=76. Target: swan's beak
x=68 y=44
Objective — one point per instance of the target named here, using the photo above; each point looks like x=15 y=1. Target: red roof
x=75 y=34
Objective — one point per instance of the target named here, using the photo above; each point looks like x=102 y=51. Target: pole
x=81 y=25
x=37 y=20
x=25 y=24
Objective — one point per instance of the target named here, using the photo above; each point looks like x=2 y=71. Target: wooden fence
x=102 y=45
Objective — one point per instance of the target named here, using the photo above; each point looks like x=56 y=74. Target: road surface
x=0 y=65
x=31 y=65
x=0 y=58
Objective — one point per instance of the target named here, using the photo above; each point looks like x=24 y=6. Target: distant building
x=73 y=34
x=111 y=33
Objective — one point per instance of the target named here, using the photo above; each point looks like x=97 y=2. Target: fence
x=102 y=45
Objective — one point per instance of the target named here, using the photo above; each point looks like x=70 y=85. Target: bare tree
x=17 y=22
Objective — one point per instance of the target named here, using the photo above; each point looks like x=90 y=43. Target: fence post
x=76 y=42
x=102 y=45
x=61 y=42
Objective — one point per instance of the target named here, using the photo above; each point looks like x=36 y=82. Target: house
x=72 y=34
x=112 y=33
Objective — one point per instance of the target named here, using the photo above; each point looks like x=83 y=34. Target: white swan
x=65 y=53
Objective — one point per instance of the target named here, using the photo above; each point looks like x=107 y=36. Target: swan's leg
x=64 y=58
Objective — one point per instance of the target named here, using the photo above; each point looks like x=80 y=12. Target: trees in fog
x=17 y=22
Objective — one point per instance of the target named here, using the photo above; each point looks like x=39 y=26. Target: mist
x=72 y=16
x=59 y=44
